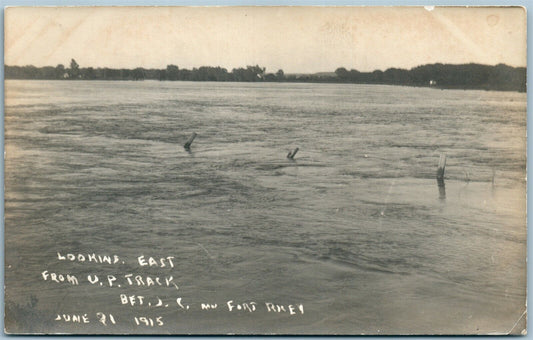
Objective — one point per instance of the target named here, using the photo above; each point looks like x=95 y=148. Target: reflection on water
x=351 y=228
x=442 y=188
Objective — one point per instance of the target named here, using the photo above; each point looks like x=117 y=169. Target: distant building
x=432 y=83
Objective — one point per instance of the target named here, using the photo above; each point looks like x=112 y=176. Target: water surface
x=355 y=228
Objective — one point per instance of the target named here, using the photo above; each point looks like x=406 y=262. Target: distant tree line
x=465 y=76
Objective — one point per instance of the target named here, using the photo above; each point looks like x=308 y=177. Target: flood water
x=354 y=230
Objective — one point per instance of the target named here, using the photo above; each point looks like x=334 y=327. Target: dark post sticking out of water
x=187 y=145
x=292 y=153
x=442 y=166
x=440 y=176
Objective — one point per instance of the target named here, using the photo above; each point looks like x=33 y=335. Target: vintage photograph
x=265 y=170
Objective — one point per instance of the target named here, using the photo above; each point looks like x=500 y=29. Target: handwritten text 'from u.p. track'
x=145 y=304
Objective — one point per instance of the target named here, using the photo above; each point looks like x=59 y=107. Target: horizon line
x=286 y=72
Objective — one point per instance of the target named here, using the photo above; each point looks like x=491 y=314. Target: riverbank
x=444 y=76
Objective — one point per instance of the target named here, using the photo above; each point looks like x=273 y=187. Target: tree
x=354 y=76
x=255 y=73
x=172 y=72
x=396 y=76
x=60 y=71
x=270 y=77
x=280 y=75
x=88 y=73
x=342 y=73
x=138 y=74
x=377 y=76
x=251 y=73
x=74 y=70
x=185 y=74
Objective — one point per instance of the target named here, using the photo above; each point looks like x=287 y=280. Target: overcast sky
x=295 y=39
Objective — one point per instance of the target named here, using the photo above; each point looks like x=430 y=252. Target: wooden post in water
x=292 y=153
x=440 y=176
x=442 y=167
x=187 y=145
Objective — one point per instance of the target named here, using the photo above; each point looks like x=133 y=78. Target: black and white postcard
x=265 y=170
